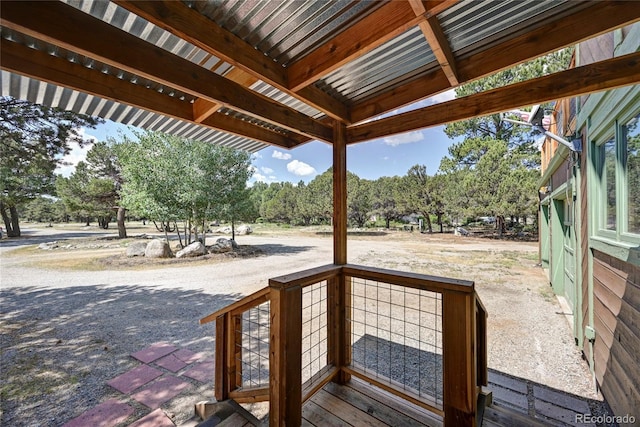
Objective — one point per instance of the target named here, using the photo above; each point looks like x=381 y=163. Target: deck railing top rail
x=238 y=307
x=412 y=280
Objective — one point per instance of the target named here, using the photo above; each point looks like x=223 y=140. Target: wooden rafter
x=604 y=75
x=389 y=21
x=598 y=18
x=437 y=40
x=69 y=28
x=40 y=65
x=186 y=23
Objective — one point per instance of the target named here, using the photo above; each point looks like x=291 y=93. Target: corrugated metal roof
x=32 y=90
x=284 y=30
x=472 y=25
x=402 y=58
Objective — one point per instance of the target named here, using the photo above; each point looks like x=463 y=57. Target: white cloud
x=405 y=138
x=280 y=155
x=266 y=170
x=258 y=177
x=76 y=155
x=299 y=168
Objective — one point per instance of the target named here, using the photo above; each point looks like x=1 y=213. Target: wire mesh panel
x=314 y=332
x=396 y=337
x=252 y=346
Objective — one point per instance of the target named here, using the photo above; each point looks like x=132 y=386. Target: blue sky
x=370 y=160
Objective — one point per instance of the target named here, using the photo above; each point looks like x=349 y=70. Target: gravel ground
x=65 y=333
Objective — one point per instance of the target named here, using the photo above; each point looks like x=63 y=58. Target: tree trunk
x=122 y=230
x=11 y=222
x=233 y=230
x=388 y=222
x=429 y=226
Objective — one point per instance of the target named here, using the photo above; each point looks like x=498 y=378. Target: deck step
x=227 y=413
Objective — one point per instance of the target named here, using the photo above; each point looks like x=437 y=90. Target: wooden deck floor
x=516 y=403
x=358 y=403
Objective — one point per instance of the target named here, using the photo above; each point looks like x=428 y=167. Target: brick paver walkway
x=164 y=372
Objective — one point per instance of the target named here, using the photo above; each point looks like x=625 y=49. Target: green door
x=557 y=246
x=545 y=237
x=569 y=264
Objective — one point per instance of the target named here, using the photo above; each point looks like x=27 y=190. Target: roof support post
x=339 y=194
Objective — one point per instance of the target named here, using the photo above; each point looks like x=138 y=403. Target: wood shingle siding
x=616 y=286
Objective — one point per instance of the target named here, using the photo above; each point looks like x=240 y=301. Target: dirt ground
x=528 y=334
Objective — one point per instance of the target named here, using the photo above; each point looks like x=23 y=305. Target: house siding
x=616 y=286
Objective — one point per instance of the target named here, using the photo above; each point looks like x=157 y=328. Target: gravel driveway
x=65 y=333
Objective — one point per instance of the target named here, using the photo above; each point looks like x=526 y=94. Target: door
x=569 y=254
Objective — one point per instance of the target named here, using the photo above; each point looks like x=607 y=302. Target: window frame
x=621 y=232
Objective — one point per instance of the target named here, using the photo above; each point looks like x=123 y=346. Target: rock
x=243 y=230
x=224 y=230
x=158 y=249
x=193 y=250
x=136 y=249
x=48 y=245
x=459 y=231
x=223 y=245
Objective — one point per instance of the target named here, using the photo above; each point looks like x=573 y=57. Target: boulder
x=243 y=230
x=224 y=230
x=459 y=231
x=48 y=245
x=136 y=249
x=193 y=250
x=223 y=245
x=158 y=249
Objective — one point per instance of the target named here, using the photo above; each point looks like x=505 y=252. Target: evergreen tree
x=33 y=141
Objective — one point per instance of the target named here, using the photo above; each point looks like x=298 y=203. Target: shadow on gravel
x=60 y=346
x=27 y=239
x=276 y=248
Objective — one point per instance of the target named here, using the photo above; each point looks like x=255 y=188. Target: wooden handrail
x=306 y=277
x=246 y=303
x=411 y=280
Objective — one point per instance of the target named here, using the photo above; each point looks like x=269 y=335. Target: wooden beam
x=188 y=24
x=71 y=29
x=340 y=195
x=40 y=65
x=389 y=21
x=604 y=75
x=598 y=18
x=437 y=40
x=203 y=108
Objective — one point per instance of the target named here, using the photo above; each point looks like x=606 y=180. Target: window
x=631 y=136
x=617 y=161
x=609 y=176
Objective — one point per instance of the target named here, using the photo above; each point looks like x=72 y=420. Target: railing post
x=221 y=384
x=459 y=361
x=285 y=361
x=339 y=292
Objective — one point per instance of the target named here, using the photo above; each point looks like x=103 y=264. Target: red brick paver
x=171 y=362
x=202 y=372
x=155 y=419
x=106 y=414
x=154 y=352
x=187 y=356
x=160 y=391
x=137 y=377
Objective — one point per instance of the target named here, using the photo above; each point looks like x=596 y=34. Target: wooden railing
x=314 y=316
